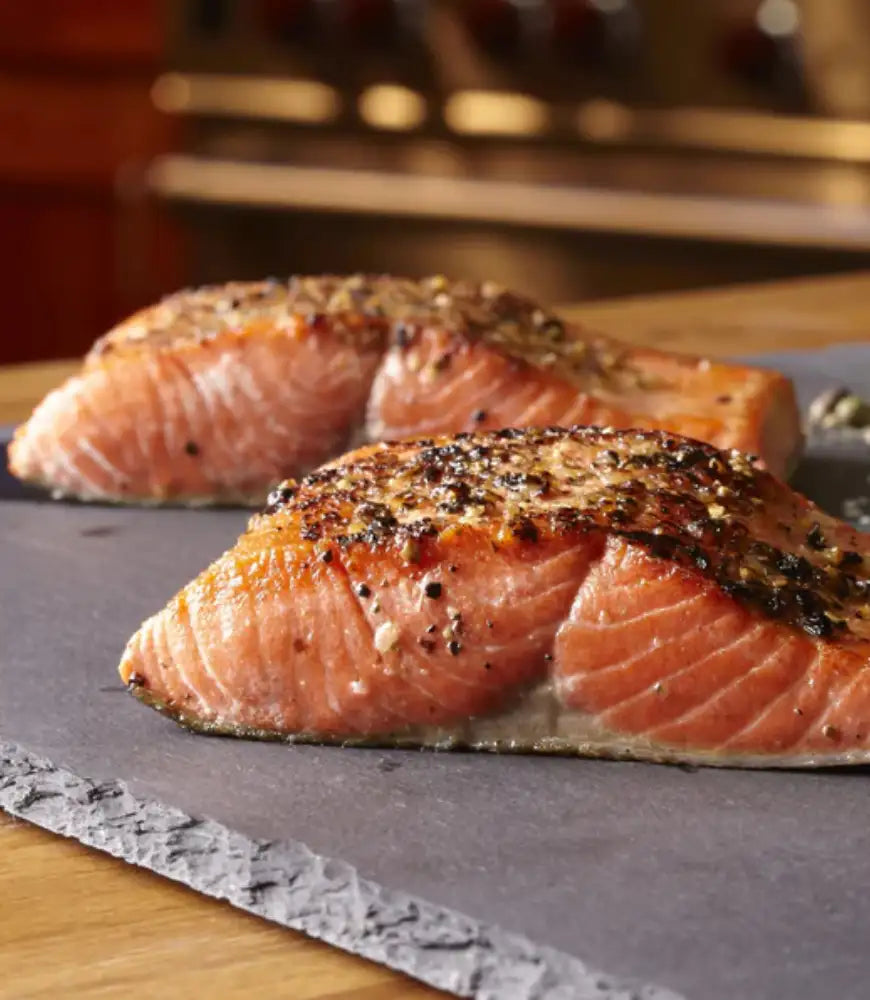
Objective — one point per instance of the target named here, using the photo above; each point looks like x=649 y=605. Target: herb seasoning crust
x=585 y=590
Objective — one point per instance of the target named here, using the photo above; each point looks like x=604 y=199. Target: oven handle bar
x=230 y=183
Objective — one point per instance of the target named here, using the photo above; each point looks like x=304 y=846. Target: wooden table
x=76 y=923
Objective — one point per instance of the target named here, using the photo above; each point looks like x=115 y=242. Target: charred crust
x=280 y=497
x=793 y=566
x=815 y=538
x=682 y=501
x=525 y=529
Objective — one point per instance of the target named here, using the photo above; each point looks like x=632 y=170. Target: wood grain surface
x=75 y=923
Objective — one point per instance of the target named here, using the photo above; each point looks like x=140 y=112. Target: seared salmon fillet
x=215 y=395
x=627 y=594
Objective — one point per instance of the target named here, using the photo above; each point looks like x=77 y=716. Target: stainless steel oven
x=574 y=148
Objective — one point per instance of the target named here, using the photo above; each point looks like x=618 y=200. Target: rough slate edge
x=286 y=883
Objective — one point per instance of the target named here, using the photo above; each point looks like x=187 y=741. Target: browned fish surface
x=215 y=395
x=598 y=592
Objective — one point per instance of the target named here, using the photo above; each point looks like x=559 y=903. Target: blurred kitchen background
x=574 y=149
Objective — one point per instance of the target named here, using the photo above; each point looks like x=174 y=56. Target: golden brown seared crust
x=269 y=379
x=707 y=510
x=202 y=315
x=379 y=311
x=368 y=307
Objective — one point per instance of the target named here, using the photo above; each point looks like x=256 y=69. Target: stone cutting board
x=502 y=877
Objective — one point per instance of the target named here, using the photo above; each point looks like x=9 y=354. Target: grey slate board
x=502 y=877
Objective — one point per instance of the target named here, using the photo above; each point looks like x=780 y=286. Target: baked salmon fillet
x=216 y=395
x=592 y=591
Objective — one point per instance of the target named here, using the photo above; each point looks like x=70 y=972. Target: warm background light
x=392 y=107
x=263 y=97
x=481 y=112
x=604 y=121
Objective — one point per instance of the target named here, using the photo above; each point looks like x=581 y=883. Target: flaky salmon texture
x=216 y=395
x=624 y=594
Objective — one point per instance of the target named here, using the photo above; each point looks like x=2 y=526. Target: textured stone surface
x=287 y=883
x=717 y=885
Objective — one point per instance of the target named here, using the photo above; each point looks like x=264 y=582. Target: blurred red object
x=369 y=21
x=87 y=32
x=289 y=20
x=494 y=24
x=579 y=31
x=81 y=248
x=750 y=53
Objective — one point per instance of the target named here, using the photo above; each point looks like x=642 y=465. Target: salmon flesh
x=216 y=395
x=590 y=591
